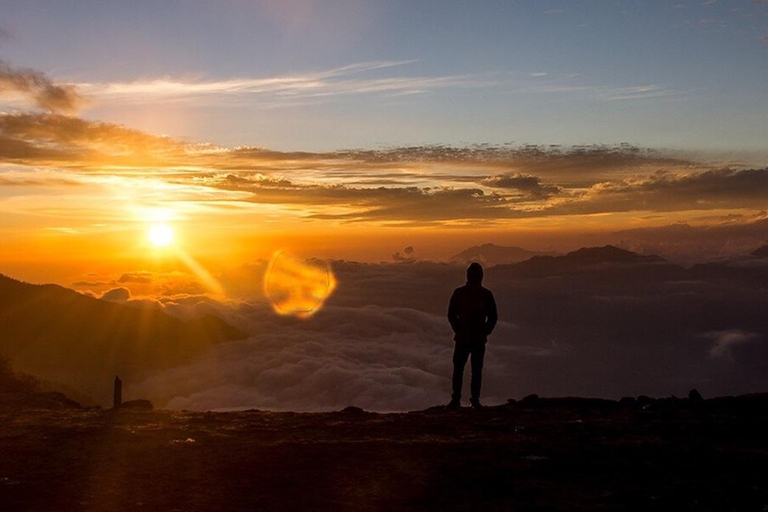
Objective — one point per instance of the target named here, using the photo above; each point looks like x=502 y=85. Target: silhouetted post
x=118 y=395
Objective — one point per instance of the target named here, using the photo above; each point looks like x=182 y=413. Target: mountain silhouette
x=63 y=336
x=491 y=254
x=607 y=260
x=761 y=252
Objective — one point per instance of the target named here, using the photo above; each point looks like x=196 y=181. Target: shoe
x=475 y=403
x=453 y=405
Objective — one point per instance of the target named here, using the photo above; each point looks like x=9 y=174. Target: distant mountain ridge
x=58 y=334
x=761 y=252
x=491 y=255
x=581 y=260
x=608 y=254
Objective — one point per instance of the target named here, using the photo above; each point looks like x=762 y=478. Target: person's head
x=475 y=273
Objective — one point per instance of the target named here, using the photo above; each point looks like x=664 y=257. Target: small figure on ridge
x=472 y=314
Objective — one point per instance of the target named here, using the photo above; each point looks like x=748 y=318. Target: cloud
x=664 y=191
x=40 y=89
x=88 y=284
x=416 y=185
x=408 y=255
x=69 y=141
x=358 y=79
x=136 y=277
x=285 y=89
x=63 y=140
x=380 y=359
x=119 y=295
x=723 y=342
x=709 y=185
x=383 y=342
x=530 y=185
x=723 y=237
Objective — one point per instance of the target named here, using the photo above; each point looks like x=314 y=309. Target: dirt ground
x=545 y=454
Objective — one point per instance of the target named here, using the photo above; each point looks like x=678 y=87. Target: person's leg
x=478 y=355
x=460 y=356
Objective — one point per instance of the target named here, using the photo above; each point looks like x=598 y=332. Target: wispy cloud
x=723 y=342
x=352 y=79
x=602 y=92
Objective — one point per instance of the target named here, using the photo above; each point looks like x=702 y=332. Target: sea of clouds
x=383 y=343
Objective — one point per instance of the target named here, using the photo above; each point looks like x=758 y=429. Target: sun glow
x=160 y=235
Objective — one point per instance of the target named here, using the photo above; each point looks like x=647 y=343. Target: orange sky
x=78 y=199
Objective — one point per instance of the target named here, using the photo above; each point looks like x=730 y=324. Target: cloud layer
x=40 y=89
x=482 y=185
x=383 y=342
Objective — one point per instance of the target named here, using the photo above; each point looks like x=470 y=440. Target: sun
x=160 y=235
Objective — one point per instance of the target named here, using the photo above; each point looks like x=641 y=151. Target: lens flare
x=297 y=287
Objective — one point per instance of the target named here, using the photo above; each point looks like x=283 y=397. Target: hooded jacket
x=472 y=313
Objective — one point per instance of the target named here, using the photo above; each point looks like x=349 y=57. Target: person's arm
x=453 y=316
x=492 y=315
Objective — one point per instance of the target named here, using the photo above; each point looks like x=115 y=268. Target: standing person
x=472 y=314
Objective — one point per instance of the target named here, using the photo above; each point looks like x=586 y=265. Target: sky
x=352 y=130
x=311 y=75
x=307 y=169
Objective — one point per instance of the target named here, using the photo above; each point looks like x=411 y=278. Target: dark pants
x=461 y=353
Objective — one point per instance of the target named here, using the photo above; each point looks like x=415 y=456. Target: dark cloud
x=58 y=139
x=39 y=88
x=379 y=203
x=709 y=187
x=88 y=284
x=514 y=196
x=405 y=186
x=52 y=139
x=528 y=184
x=408 y=255
x=120 y=295
x=668 y=192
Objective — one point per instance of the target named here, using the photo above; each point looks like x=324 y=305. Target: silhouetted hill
x=589 y=259
x=491 y=254
x=608 y=254
x=19 y=392
x=761 y=252
x=60 y=335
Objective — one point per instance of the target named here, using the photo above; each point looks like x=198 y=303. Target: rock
x=351 y=409
x=531 y=399
x=29 y=401
x=137 y=405
x=695 y=396
x=644 y=401
x=628 y=400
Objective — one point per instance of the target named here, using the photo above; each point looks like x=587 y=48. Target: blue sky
x=682 y=75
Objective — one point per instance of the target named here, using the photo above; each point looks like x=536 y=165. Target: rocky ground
x=536 y=454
